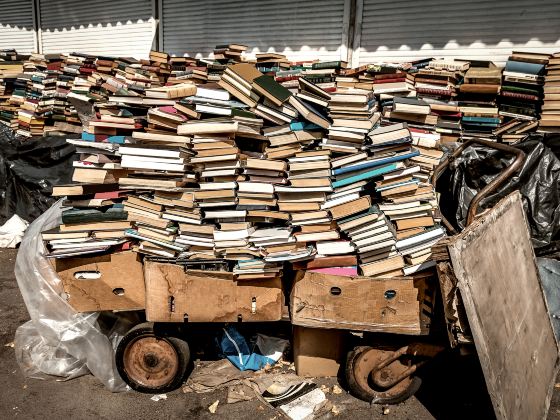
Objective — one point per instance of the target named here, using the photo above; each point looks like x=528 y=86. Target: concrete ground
x=452 y=388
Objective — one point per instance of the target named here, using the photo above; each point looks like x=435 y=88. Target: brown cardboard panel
x=119 y=286
x=318 y=352
x=174 y=295
x=396 y=305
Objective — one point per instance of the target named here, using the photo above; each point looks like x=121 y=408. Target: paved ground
x=453 y=388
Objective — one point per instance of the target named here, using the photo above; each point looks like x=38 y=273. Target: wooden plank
x=495 y=266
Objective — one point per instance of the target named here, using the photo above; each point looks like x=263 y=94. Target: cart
x=153 y=357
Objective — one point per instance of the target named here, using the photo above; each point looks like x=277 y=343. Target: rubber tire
x=181 y=347
x=362 y=394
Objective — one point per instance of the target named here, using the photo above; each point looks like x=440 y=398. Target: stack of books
x=478 y=99
x=521 y=93
x=550 y=115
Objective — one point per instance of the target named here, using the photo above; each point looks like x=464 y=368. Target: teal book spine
x=366 y=175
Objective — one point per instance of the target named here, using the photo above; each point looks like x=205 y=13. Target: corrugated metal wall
x=397 y=30
x=123 y=27
x=16 y=25
x=300 y=29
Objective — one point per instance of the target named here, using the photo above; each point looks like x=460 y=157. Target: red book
x=109 y=195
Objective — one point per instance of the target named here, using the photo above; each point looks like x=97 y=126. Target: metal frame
x=492 y=186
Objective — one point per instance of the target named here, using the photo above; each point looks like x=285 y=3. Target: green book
x=367 y=175
x=267 y=86
x=112 y=214
x=329 y=65
x=236 y=112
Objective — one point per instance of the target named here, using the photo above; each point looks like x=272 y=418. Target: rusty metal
x=492 y=186
x=368 y=362
x=388 y=371
x=151 y=361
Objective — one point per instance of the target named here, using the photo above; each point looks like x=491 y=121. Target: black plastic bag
x=28 y=170
x=538 y=182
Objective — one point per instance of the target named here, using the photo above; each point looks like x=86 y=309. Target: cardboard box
x=176 y=295
x=111 y=282
x=318 y=352
x=400 y=305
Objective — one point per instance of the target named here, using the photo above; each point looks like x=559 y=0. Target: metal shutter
x=300 y=29
x=403 y=29
x=16 y=25
x=119 y=28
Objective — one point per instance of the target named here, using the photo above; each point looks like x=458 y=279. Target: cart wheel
x=152 y=363
x=360 y=367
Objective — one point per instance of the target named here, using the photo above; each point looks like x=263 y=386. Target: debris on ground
x=214 y=406
x=159 y=397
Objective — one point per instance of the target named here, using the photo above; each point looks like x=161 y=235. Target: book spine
x=518 y=95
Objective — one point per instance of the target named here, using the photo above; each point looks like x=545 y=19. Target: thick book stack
x=247 y=171
x=550 y=114
x=388 y=80
x=229 y=53
x=438 y=85
x=9 y=70
x=521 y=93
x=478 y=100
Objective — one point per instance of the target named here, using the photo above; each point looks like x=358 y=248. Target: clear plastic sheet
x=58 y=341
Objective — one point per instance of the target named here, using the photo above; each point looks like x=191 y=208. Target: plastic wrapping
x=538 y=182
x=57 y=340
x=28 y=169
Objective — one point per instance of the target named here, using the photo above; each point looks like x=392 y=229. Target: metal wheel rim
x=150 y=361
x=365 y=367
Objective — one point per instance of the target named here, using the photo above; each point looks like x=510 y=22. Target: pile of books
x=521 y=93
x=478 y=99
x=263 y=163
x=550 y=115
x=255 y=175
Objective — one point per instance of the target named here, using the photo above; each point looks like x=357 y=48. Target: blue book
x=367 y=175
x=524 y=67
x=103 y=138
x=481 y=120
x=303 y=125
x=373 y=163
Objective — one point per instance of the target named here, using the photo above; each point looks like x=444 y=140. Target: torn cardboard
x=208 y=296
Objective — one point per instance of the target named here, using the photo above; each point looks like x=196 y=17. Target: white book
x=194 y=243
x=280 y=188
x=181 y=219
x=154 y=152
x=343 y=193
x=267 y=233
x=152 y=165
x=255 y=187
x=220 y=94
x=372 y=239
x=422 y=237
x=213 y=109
x=422 y=207
x=378 y=245
x=363 y=228
x=225 y=214
x=227 y=235
x=175 y=161
x=368 y=233
x=340 y=200
x=334 y=247
x=212 y=186
x=311 y=222
x=184 y=237
x=411 y=269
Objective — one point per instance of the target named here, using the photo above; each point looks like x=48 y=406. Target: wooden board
x=494 y=263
